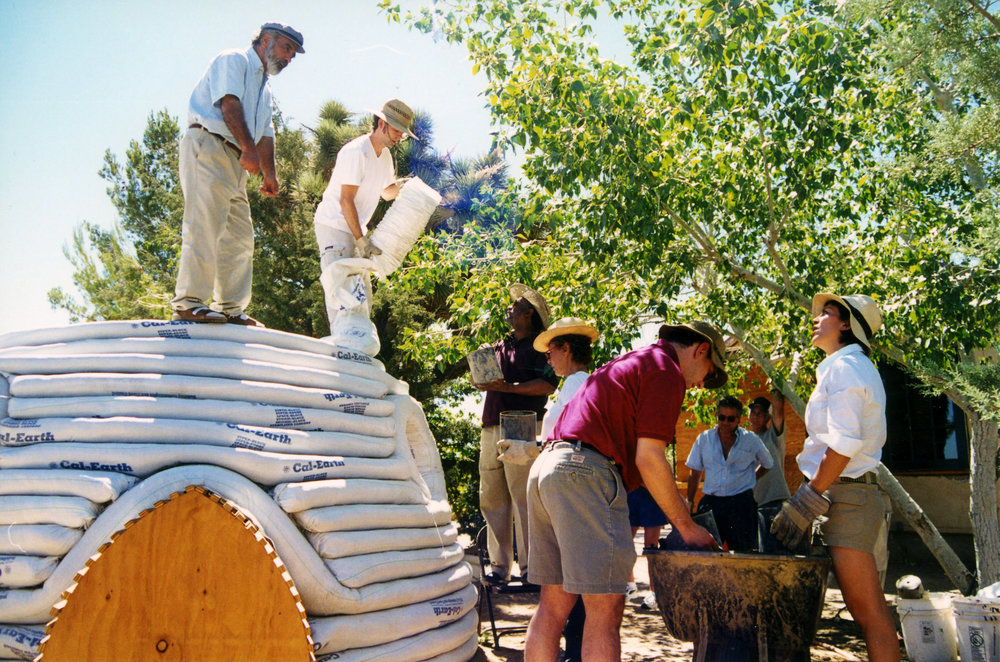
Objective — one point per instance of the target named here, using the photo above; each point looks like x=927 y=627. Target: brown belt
x=227 y=143
x=868 y=479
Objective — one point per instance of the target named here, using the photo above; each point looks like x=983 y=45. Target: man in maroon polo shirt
x=527 y=382
x=609 y=440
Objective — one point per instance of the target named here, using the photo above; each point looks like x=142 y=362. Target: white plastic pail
x=928 y=628
x=977 y=621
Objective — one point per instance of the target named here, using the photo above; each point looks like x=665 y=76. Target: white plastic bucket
x=977 y=621
x=928 y=628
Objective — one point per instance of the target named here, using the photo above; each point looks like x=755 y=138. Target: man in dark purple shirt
x=527 y=382
x=610 y=439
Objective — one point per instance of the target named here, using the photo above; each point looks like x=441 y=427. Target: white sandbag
x=37 y=539
x=168 y=431
x=337 y=544
x=99 y=487
x=415 y=648
x=4 y=388
x=462 y=653
x=355 y=328
x=203 y=388
x=222 y=411
x=219 y=349
x=259 y=371
x=20 y=642
x=422 y=447
x=321 y=594
x=366 y=517
x=358 y=571
x=296 y=497
x=336 y=633
x=403 y=224
x=146 y=459
x=183 y=330
x=4 y=395
x=74 y=512
x=17 y=571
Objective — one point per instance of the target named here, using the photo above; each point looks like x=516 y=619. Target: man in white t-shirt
x=364 y=172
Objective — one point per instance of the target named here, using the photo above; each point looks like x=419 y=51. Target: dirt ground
x=644 y=637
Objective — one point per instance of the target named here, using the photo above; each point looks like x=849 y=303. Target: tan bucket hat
x=713 y=336
x=398 y=115
x=518 y=290
x=866 y=318
x=564 y=326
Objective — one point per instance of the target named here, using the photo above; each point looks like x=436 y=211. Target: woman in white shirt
x=845 y=420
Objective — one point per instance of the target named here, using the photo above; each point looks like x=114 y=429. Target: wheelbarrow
x=740 y=607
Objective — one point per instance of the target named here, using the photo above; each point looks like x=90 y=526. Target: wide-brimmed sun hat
x=518 y=291
x=564 y=326
x=717 y=352
x=398 y=115
x=866 y=318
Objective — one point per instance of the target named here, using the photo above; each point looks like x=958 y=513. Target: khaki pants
x=503 y=500
x=216 y=261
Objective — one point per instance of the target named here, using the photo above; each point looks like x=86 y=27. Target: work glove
x=363 y=247
x=517 y=451
x=797 y=515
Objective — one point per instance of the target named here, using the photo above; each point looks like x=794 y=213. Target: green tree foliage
x=743 y=157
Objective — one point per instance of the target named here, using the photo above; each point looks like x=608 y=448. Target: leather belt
x=868 y=479
x=227 y=143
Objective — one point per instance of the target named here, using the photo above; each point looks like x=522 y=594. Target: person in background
x=229 y=134
x=731 y=459
x=771 y=489
x=527 y=382
x=845 y=423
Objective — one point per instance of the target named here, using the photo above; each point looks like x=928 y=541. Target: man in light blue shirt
x=229 y=134
x=730 y=458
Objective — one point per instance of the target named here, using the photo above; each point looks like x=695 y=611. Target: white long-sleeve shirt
x=846 y=412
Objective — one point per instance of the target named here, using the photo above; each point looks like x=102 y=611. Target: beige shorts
x=858 y=518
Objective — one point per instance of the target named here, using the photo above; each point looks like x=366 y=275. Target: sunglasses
x=725 y=418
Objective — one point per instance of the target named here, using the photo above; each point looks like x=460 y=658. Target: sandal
x=200 y=314
x=243 y=320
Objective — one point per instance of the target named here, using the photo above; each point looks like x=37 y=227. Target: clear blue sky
x=83 y=77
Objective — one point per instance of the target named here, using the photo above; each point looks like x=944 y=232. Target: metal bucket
x=519 y=425
x=748 y=607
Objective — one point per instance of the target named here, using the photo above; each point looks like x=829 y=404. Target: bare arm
x=530 y=387
x=390 y=192
x=659 y=480
x=232 y=115
x=777 y=411
x=265 y=151
x=350 y=210
x=830 y=468
x=694 y=479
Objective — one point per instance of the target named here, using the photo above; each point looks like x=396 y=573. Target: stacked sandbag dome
x=317 y=444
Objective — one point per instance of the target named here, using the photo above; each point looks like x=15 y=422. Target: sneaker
x=630 y=590
x=243 y=320
x=649 y=602
x=494 y=579
x=200 y=314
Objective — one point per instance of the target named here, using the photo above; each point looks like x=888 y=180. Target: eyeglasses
x=731 y=419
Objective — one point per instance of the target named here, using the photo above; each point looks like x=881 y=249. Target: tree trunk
x=983 y=448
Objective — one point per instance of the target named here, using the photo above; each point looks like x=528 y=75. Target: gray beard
x=274 y=64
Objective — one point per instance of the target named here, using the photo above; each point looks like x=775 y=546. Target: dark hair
x=536 y=320
x=683 y=336
x=580 y=348
x=847 y=336
x=730 y=402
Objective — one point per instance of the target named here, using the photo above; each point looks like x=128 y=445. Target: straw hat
x=518 y=291
x=865 y=316
x=398 y=115
x=564 y=326
x=713 y=336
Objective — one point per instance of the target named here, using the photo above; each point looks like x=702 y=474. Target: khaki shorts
x=858 y=518
x=578 y=528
